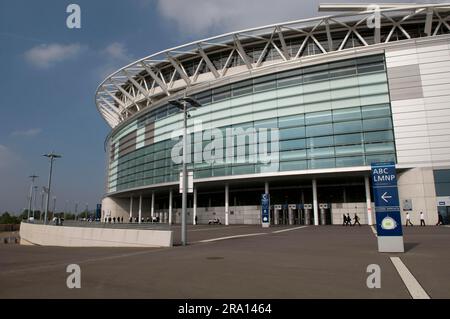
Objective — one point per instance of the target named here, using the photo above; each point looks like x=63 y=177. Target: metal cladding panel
x=127 y=144
x=419 y=83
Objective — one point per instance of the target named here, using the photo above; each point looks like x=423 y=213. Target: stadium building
x=299 y=110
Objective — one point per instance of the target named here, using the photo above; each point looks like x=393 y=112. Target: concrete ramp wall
x=48 y=235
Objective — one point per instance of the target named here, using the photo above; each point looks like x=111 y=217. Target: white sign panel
x=190 y=185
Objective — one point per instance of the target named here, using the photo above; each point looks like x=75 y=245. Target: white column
x=226 y=204
x=315 y=205
x=140 y=208
x=170 y=207
x=194 y=207
x=266 y=187
x=368 y=200
x=131 y=206
x=153 y=205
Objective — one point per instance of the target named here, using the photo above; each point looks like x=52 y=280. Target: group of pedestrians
x=347 y=220
x=422 y=220
x=113 y=220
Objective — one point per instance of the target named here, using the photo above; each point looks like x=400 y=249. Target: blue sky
x=49 y=75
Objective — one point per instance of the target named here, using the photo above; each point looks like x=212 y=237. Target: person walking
x=344 y=220
x=440 y=220
x=349 y=220
x=356 y=220
x=422 y=219
x=408 y=220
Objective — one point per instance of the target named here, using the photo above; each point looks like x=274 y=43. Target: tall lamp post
x=35 y=196
x=182 y=104
x=51 y=156
x=32 y=177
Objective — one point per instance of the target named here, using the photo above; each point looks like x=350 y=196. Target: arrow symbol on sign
x=384 y=196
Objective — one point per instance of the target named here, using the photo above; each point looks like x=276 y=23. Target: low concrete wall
x=48 y=235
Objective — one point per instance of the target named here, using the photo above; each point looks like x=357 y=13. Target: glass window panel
x=379 y=147
x=289 y=78
x=370 y=59
x=353 y=113
x=292 y=133
x=342 y=72
x=265 y=83
x=349 y=161
x=347 y=127
x=381 y=136
x=292 y=155
x=171 y=109
x=377 y=124
x=202 y=173
x=204 y=97
x=380 y=158
x=243 y=169
x=318 y=117
x=321 y=163
x=316 y=68
x=242 y=88
x=320 y=152
x=288 y=121
x=380 y=110
x=349 y=150
x=320 y=141
x=293 y=165
x=442 y=176
x=162 y=112
x=312 y=77
x=270 y=123
x=370 y=68
x=318 y=130
x=342 y=64
x=221 y=93
x=292 y=144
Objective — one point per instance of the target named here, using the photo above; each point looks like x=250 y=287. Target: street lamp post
x=52 y=156
x=35 y=196
x=32 y=177
x=182 y=104
x=54 y=206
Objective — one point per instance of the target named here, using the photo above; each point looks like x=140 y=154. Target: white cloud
x=116 y=51
x=7 y=157
x=46 y=55
x=207 y=17
x=114 y=56
x=27 y=133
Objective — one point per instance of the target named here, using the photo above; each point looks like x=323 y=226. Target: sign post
x=387 y=208
x=265 y=210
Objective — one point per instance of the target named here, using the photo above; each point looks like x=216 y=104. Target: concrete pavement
x=309 y=262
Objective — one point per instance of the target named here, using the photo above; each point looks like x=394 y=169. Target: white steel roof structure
x=151 y=80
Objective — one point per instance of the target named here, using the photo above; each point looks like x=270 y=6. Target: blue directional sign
x=98 y=211
x=387 y=205
x=265 y=208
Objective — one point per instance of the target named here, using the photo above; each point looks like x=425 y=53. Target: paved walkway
x=235 y=262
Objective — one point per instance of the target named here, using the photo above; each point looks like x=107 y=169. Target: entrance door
x=445 y=213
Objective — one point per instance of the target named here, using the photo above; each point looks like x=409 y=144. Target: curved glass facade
x=330 y=115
